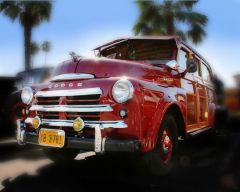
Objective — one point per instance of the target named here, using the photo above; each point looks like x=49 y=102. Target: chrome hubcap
x=166 y=144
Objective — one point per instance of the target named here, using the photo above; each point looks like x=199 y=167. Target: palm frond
x=191 y=17
x=10 y=9
x=181 y=34
x=149 y=20
x=196 y=33
x=196 y=23
x=141 y=28
x=36 y=12
x=188 y=4
x=34 y=48
x=164 y=18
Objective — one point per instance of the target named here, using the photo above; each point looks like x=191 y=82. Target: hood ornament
x=74 y=56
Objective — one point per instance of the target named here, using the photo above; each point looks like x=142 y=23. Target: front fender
x=156 y=102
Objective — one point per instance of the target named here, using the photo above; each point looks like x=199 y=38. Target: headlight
x=27 y=95
x=122 y=90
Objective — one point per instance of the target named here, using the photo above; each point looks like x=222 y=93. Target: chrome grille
x=48 y=115
x=50 y=104
x=94 y=116
x=70 y=100
x=48 y=101
x=83 y=100
x=57 y=109
x=70 y=115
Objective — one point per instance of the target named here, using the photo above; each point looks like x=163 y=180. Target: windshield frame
x=130 y=43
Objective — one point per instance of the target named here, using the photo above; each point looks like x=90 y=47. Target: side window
x=198 y=64
x=182 y=59
x=205 y=73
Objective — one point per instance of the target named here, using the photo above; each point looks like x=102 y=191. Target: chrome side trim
x=69 y=92
x=88 y=124
x=72 y=76
x=71 y=108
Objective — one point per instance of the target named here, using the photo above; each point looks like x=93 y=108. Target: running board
x=199 y=131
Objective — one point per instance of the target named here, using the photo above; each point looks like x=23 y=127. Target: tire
x=127 y=159
x=61 y=155
x=221 y=118
x=163 y=159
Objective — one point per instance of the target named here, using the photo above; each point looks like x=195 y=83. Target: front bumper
x=97 y=144
x=88 y=124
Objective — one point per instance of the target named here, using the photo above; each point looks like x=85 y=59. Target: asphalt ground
x=206 y=164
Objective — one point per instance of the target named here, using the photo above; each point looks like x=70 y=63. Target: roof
x=120 y=40
x=175 y=38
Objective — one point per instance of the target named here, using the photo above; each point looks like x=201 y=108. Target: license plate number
x=51 y=137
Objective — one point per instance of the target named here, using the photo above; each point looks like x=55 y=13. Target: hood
x=104 y=68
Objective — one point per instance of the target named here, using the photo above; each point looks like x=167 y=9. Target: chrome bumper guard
x=20 y=133
x=98 y=144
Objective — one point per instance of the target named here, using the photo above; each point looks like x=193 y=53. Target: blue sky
x=82 y=25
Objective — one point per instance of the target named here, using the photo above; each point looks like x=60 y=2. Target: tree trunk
x=27 y=42
x=170 y=25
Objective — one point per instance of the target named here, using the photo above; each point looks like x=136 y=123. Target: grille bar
x=71 y=108
x=69 y=92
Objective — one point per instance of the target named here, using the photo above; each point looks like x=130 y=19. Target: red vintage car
x=139 y=94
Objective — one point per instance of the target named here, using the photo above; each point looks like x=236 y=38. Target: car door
x=188 y=83
x=208 y=117
x=202 y=97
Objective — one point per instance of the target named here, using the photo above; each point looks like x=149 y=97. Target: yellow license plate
x=51 y=137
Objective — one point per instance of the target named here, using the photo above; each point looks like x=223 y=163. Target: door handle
x=195 y=83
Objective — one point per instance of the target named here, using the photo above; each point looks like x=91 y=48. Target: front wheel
x=164 y=157
x=61 y=155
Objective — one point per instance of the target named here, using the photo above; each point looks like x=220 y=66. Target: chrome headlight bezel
x=122 y=91
x=27 y=95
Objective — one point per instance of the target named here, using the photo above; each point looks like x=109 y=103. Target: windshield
x=151 y=51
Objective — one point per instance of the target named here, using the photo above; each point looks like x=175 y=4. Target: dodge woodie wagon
x=139 y=95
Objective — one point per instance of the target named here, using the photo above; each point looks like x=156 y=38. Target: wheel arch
x=175 y=110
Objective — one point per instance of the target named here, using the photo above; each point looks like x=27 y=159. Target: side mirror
x=191 y=65
x=172 y=64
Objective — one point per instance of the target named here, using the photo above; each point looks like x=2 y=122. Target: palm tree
x=171 y=18
x=34 y=49
x=30 y=14
x=46 y=46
